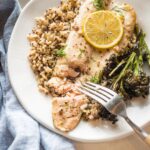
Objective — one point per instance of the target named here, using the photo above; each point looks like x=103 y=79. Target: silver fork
x=113 y=103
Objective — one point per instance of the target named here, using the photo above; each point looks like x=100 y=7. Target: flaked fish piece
x=60 y=86
x=66 y=111
x=78 y=51
x=64 y=70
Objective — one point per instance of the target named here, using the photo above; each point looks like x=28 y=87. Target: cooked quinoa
x=48 y=36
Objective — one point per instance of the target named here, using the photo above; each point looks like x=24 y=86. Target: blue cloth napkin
x=18 y=131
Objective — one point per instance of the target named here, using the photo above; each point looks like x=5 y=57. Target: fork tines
x=97 y=92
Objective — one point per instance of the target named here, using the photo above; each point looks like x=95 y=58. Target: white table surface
x=129 y=143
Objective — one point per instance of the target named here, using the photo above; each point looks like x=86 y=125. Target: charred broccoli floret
x=124 y=73
x=136 y=85
x=106 y=115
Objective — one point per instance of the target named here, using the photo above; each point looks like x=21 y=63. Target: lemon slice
x=103 y=29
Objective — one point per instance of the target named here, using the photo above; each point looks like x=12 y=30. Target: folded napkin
x=18 y=131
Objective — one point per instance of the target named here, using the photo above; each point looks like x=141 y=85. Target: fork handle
x=139 y=131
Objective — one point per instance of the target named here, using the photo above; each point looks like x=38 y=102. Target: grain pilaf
x=48 y=36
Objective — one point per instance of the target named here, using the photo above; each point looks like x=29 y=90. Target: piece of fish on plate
x=128 y=15
x=66 y=111
x=81 y=55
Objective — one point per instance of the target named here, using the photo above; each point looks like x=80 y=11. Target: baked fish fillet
x=82 y=56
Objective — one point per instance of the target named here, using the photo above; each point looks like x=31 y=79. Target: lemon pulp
x=103 y=29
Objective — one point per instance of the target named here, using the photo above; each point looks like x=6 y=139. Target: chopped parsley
x=99 y=4
x=81 y=53
x=118 y=10
x=95 y=79
x=61 y=52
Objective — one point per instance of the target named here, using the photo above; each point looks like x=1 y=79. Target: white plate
x=38 y=105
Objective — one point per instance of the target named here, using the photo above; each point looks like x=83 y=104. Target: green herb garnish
x=61 y=52
x=118 y=10
x=95 y=79
x=81 y=53
x=99 y=4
